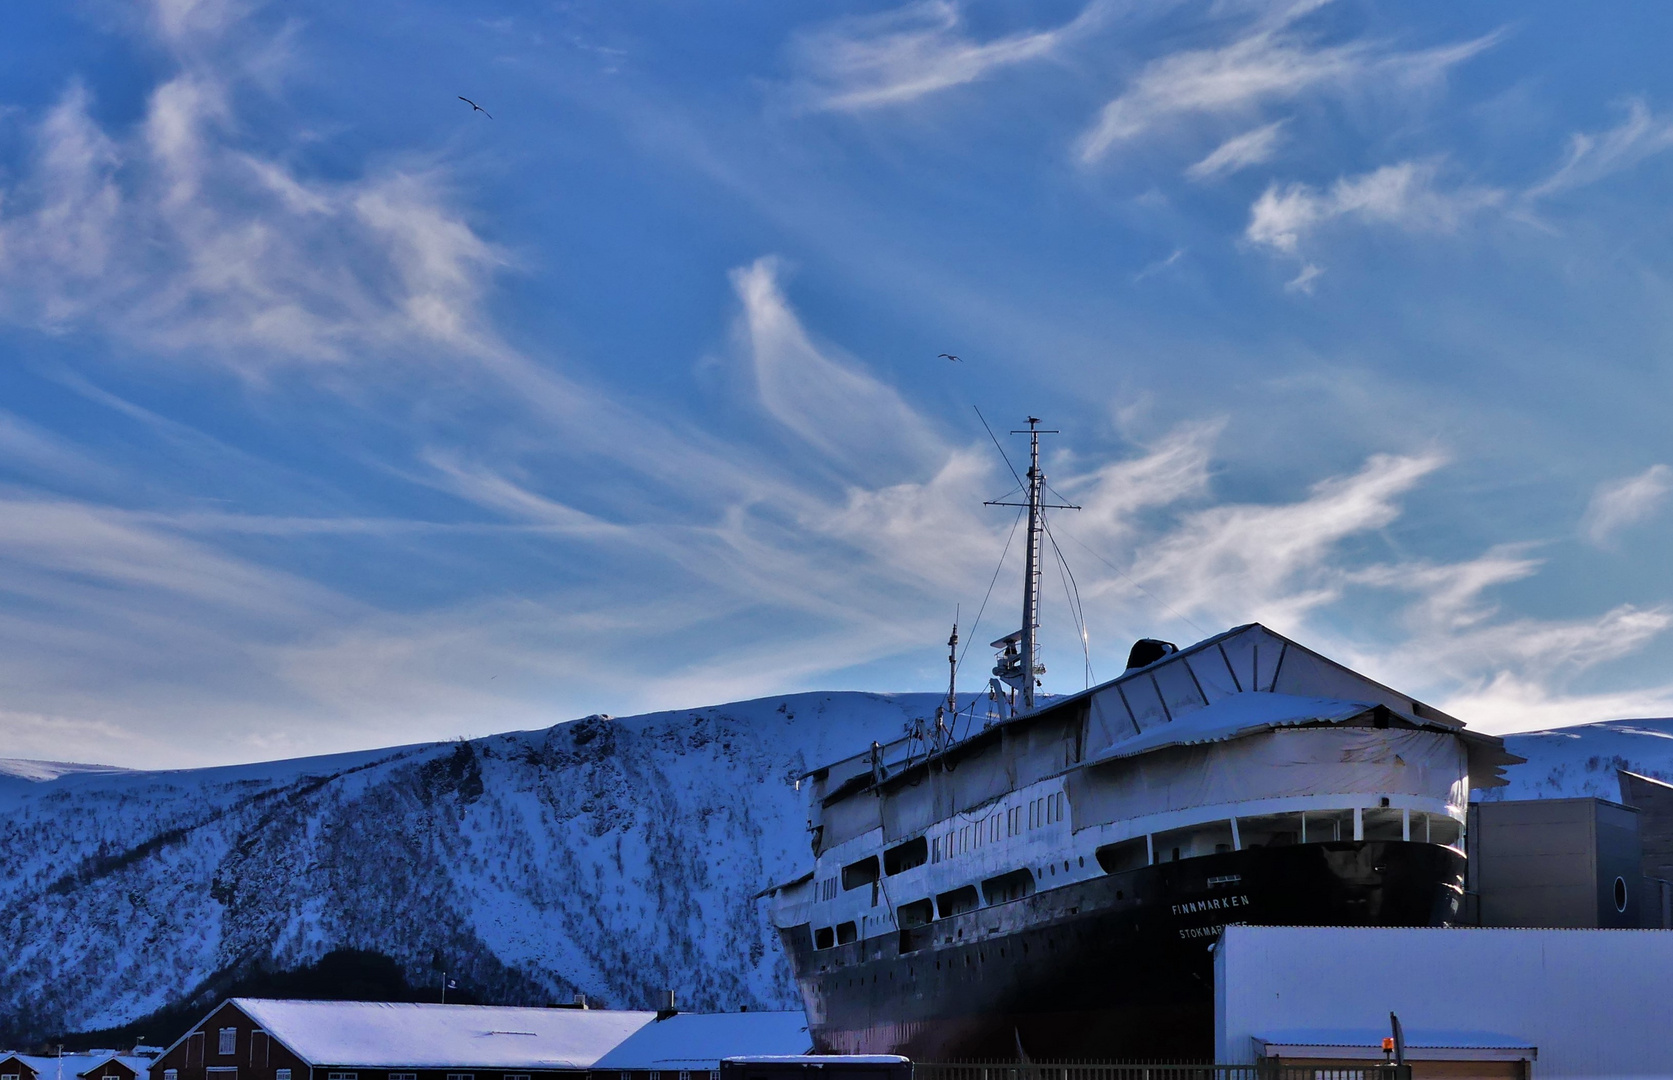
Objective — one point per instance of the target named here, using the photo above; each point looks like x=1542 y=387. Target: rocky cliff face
x=616 y=857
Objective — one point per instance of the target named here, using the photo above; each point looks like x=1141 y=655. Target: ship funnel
x=1147 y=651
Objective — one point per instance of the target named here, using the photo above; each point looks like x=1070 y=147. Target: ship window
x=1442 y=830
x=1127 y=855
x=903 y=857
x=861 y=873
x=1197 y=840
x=824 y=938
x=1382 y=824
x=956 y=902
x=1324 y=826
x=1007 y=887
x=846 y=933
x=993 y=828
x=917 y=913
x=1269 y=830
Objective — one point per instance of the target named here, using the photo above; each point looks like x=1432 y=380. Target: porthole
x=1621 y=894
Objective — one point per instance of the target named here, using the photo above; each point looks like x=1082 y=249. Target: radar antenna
x=1019 y=665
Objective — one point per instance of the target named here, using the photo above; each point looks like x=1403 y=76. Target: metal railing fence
x=1108 y=1070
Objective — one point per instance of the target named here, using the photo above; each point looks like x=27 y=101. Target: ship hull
x=1117 y=967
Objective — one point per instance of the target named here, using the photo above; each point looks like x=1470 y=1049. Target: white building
x=1489 y=1002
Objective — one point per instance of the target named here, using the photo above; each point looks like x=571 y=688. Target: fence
x=1105 y=1070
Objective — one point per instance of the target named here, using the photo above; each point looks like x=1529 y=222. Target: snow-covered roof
x=1420 y=1045
x=1418 y=1038
x=1235 y=716
x=46 y=1065
x=379 y=1034
x=701 y=1040
x=138 y=1064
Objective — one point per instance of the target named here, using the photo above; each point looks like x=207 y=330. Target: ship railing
x=1134 y=1070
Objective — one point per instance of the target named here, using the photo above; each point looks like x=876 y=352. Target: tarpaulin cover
x=1277 y=763
x=1232 y=717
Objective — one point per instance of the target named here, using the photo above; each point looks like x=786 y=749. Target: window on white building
x=229 y=1041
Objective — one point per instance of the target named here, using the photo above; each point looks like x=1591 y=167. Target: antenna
x=952 y=668
x=1022 y=668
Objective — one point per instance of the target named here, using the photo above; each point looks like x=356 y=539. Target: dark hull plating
x=1117 y=967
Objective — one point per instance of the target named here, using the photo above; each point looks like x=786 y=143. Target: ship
x=1051 y=884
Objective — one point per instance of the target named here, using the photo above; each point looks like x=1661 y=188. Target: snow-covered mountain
x=616 y=857
x=1582 y=760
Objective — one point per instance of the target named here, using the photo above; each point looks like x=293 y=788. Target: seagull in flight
x=950 y=356
x=475 y=106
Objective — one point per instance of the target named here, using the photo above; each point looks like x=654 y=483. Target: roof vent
x=1147 y=651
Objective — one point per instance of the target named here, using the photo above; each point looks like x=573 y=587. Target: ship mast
x=1031 y=570
x=1024 y=670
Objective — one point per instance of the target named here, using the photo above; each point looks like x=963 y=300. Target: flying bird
x=951 y=357
x=475 y=106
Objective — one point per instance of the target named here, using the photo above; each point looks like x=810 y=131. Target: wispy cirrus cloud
x=1239 y=152
x=1618 y=504
x=1272 y=61
x=916 y=50
x=1406 y=196
x=167 y=233
x=1593 y=156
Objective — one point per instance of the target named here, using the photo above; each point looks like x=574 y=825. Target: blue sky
x=333 y=414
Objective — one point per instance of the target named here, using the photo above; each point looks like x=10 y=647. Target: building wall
x=1654 y=802
x=1595 y=1002
x=110 y=1070
x=254 y=1055
x=1554 y=863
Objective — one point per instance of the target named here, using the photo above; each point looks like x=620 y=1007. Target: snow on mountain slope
x=617 y=857
x=1582 y=760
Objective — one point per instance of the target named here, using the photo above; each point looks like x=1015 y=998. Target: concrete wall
x=1597 y=1003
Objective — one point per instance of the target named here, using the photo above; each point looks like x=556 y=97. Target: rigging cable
x=972 y=640
x=1001 y=449
x=1076 y=609
x=1129 y=579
